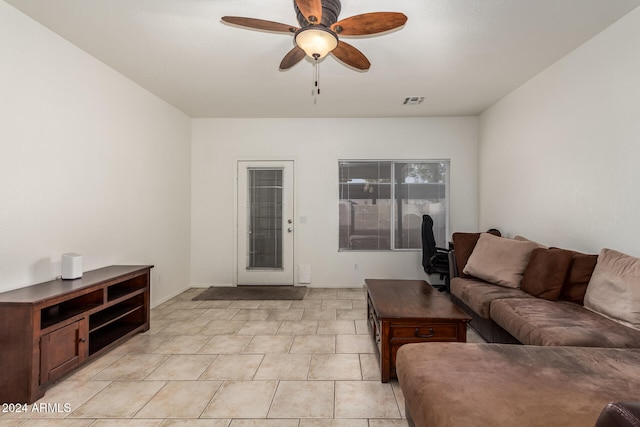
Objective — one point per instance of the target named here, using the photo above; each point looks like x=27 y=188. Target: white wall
x=89 y=163
x=559 y=156
x=315 y=145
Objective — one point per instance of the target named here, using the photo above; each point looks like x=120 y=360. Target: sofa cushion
x=537 y=321
x=580 y=271
x=464 y=244
x=477 y=295
x=545 y=273
x=614 y=288
x=498 y=260
x=464 y=384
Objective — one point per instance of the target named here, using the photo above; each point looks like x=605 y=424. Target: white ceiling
x=461 y=55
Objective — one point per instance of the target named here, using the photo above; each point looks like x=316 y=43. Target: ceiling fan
x=319 y=31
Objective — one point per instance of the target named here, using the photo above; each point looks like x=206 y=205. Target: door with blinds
x=265 y=223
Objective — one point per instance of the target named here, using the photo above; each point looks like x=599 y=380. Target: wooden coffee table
x=408 y=311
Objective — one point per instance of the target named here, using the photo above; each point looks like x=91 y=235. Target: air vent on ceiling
x=413 y=100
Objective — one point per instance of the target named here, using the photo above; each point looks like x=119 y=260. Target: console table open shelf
x=49 y=329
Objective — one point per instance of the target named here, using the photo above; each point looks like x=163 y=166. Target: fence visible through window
x=381 y=203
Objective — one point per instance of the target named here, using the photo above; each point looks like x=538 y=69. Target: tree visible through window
x=382 y=202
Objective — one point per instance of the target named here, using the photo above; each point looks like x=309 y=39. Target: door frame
x=236 y=244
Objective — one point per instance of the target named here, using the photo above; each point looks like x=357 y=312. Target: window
x=382 y=202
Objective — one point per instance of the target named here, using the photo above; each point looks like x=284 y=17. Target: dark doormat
x=253 y=293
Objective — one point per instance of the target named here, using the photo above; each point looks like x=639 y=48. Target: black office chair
x=435 y=260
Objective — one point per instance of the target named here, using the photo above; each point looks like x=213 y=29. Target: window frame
x=392 y=198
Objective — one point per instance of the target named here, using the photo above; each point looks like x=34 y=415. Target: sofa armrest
x=620 y=414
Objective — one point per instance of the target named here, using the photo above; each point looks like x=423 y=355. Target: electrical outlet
x=356 y=267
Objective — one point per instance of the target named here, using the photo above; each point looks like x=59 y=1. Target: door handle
x=289 y=229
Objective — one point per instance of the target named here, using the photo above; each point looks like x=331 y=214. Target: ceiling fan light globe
x=316 y=42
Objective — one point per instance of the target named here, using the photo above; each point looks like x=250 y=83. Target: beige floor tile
x=127 y=423
x=189 y=294
x=258 y=327
x=333 y=423
x=282 y=314
x=335 y=367
x=220 y=313
x=303 y=399
x=276 y=305
x=233 y=367
x=190 y=422
x=353 y=294
x=180 y=399
x=370 y=366
x=214 y=304
x=186 y=314
x=356 y=314
x=399 y=397
x=247 y=304
x=251 y=314
x=362 y=327
x=222 y=327
x=319 y=314
x=284 y=367
x=388 y=423
x=321 y=293
x=141 y=343
x=302 y=327
x=354 y=344
x=185 y=327
x=284 y=364
x=182 y=367
x=337 y=303
x=263 y=344
x=365 y=399
x=121 y=399
x=59 y=400
x=182 y=344
x=307 y=303
x=241 y=399
x=226 y=344
x=90 y=370
x=131 y=367
x=47 y=422
x=344 y=327
x=186 y=305
x=264 y=423
x=314 y=344
x=359 y=304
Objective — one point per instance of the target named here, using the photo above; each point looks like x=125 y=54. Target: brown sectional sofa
x=512 y=315
x=574 y=361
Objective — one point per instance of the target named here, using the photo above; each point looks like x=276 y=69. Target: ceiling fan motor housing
x=330 y=13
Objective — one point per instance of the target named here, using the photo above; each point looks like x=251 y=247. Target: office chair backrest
x=428 y=241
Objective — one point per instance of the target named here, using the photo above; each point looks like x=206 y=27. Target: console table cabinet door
x=62 y=350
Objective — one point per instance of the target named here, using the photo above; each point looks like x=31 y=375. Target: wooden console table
x=408 y=311
x=49 y=329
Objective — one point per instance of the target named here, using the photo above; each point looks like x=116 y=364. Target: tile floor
x=308 y=363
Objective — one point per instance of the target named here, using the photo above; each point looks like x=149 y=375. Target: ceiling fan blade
x=294 y=56
x=351 y=56
x=369 y=23
x=309 y=9
x=260 y=24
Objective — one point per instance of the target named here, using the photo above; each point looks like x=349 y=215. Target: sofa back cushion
x=499 y=261
x=580 y=271
x=546 y=272
x=614 y=288
x=464 y=244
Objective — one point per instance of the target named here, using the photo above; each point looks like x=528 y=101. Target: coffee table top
x=406 y=299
